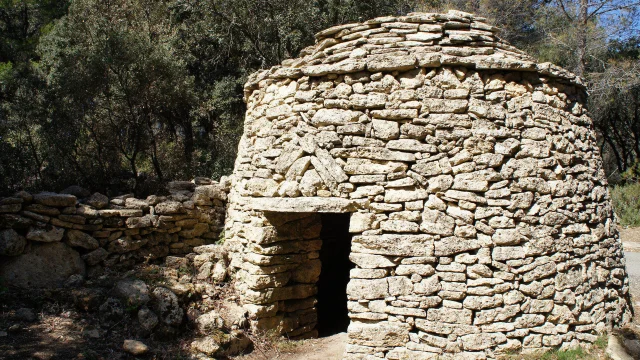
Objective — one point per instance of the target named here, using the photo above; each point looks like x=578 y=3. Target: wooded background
x=125 y=95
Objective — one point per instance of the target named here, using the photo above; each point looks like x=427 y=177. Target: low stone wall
x=47 y=237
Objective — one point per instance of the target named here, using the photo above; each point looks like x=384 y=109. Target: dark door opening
x=333 y=315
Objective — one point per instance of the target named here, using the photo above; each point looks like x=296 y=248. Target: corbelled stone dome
x=479 y=213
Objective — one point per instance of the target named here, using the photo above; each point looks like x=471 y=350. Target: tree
x=121 y=92
x=595 y=21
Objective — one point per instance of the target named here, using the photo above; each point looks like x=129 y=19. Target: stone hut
x=425 y=184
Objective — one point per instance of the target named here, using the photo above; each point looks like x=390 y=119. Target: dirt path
x=630 y=239
x=326 y=348
x=631 y=243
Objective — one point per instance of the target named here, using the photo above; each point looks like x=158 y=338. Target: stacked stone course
x=115 y=233
x=481 y=217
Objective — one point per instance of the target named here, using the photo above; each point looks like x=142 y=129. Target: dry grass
x=596 y=352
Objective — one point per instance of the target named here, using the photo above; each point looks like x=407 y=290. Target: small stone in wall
x=77 y=238
x=53 y=199
x=51 y=234
x=11 y=243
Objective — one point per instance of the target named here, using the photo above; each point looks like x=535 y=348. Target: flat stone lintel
x=305 y=204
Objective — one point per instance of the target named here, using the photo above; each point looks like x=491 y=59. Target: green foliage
x=124 y=95
x=601 y=342
x=626 y=203
x=577 y=353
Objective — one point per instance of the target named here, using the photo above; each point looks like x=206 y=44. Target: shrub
x=626 y=203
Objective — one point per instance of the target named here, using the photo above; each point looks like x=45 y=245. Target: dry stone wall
x=47 y=237
x=481 y=217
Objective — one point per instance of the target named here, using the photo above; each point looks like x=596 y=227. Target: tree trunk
x=581 y=51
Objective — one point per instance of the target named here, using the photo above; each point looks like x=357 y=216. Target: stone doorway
x=333 y=314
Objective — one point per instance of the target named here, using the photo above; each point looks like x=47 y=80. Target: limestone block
x=369 y=261
x=360 y=222
x=400 y=285
x=289 y=155
x=394 y=244
x=374 y=153
x=420 y=269
x=391 y=63
x=437 y=223
x=310 y=182
x=404 y=195
x=428 y=286
x=366 y=191
x=326 y=117
x=11 y=243
x=45 y=265
x=378 y=334
x=385 y=130
x=482 y=302
x=367 y=289
x=451 y=316
x=399 y=226
x=80 y=239
x=368 y=101
x=51 y=234
x=410 y=145
x=369 y=167
x=508 y=253
x=55 y=200
x=482 y=341
x=368 y=273
x=453 y=245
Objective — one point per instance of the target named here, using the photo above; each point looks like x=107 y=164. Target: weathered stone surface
x=50 y=234
x=379 y=334
x=168 y=208
x=394 y=244
x=76 y=238
x=11 y=243
x=53 y=199
x=132 y=292
x=368 y=289
x=135 y=347
x=43 y=266
x=95 y=257
x=326 y=117
x=390 y=63
x=307 y=205
x=98 y=201
x=453 y=245
x=165 y=303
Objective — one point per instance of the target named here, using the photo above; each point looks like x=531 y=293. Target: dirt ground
x=55 y=329
x=326 y=348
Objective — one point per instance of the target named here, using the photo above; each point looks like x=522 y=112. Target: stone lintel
x=305 y=204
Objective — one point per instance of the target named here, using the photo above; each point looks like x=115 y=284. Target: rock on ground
x=44 y=266
x=135 y=347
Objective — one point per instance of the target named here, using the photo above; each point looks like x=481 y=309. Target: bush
x=626 y=203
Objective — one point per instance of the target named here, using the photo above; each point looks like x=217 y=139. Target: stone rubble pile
x=181 y=295
x=47 y=237
x=481 y=217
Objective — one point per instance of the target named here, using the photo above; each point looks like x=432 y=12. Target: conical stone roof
x=400 y=43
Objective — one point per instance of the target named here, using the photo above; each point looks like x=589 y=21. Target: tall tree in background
x=121 y=92
x=22 y=91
